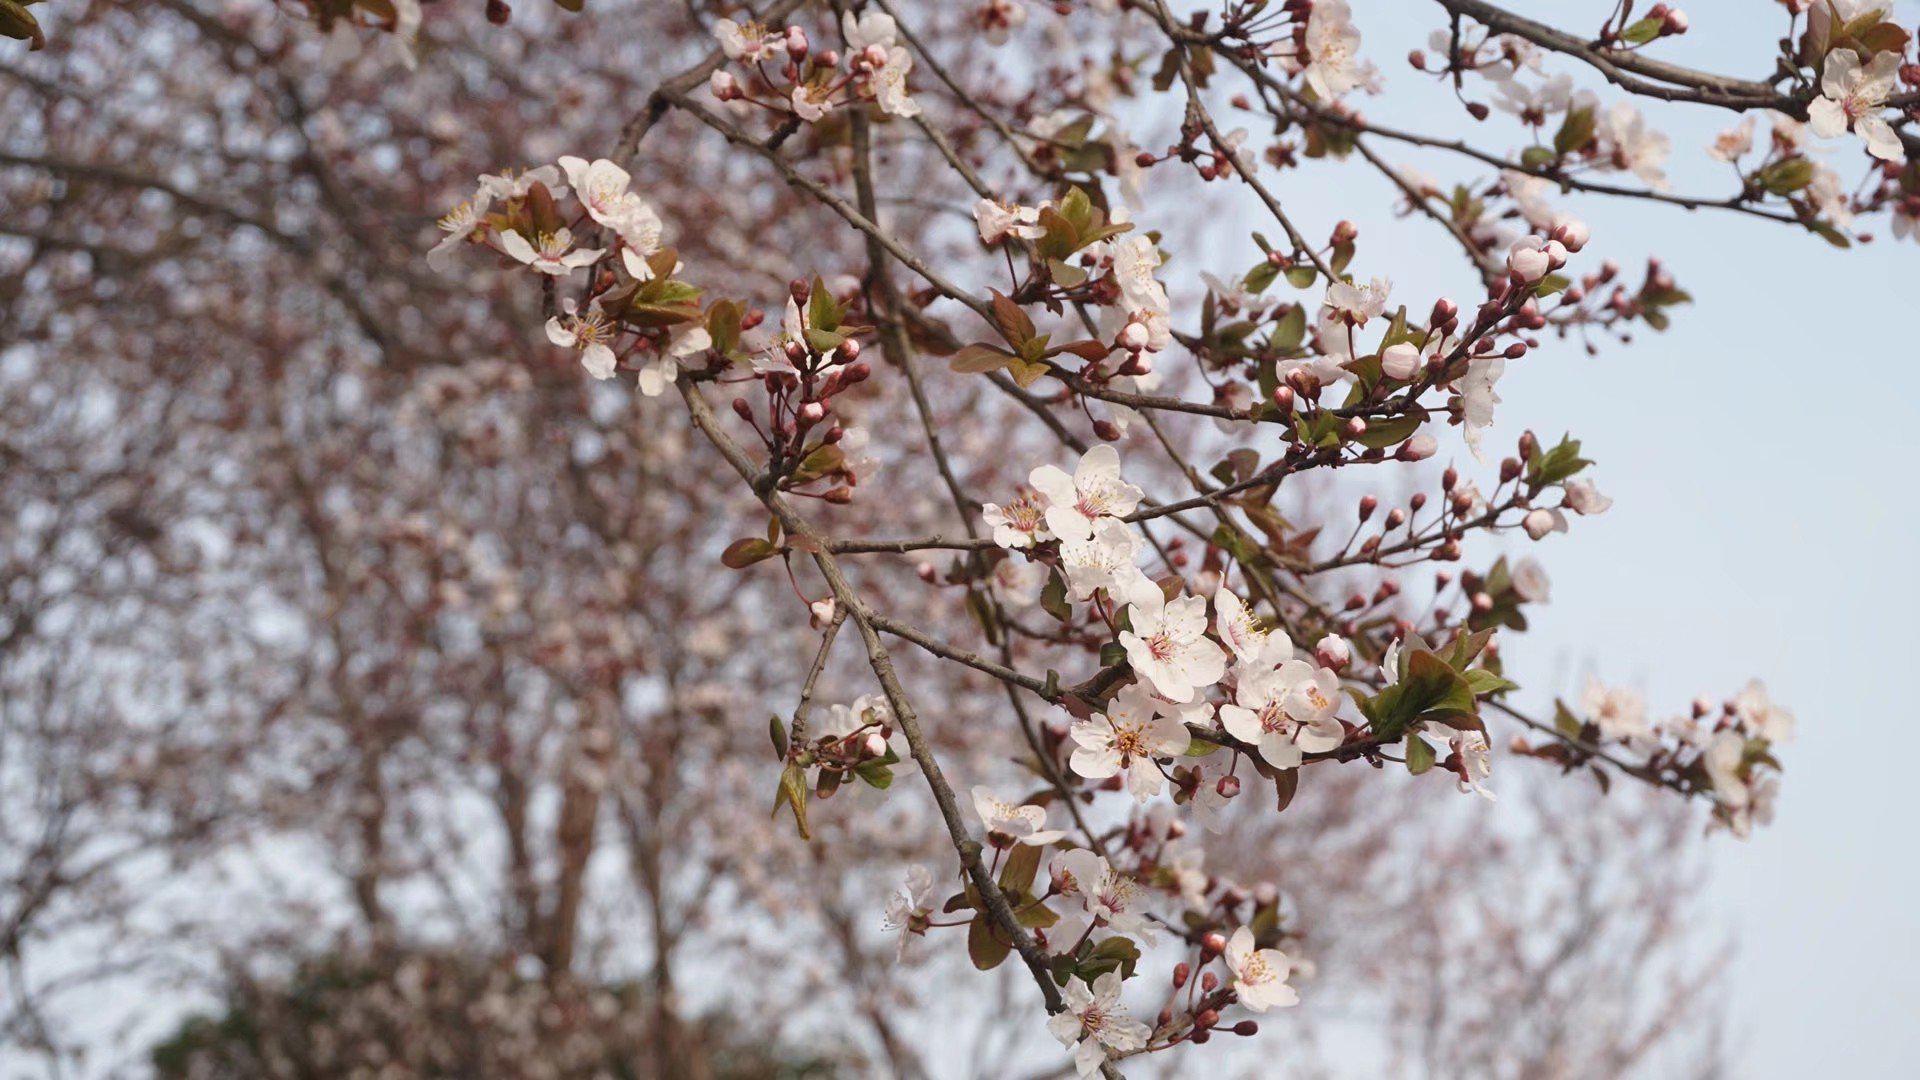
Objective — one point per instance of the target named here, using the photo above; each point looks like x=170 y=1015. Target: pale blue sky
x=1761 y=453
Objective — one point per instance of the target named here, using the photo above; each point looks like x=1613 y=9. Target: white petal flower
x=1333 y=50
x=1852 y=95
x=551 y=253
x=1104 y=560
x=1758 y=715
x=1167 y=644
x=1583 y=498
x=1094 y=491
x=1018 y=824
x=1021 y=523
x=1530 y=581
x=1477 y=398
x=1094 y=1020
x=998 y=221
x=1017 y=582
x=588 y=333
x=1620 y=712
x=908 y=907
x=1287 y=711
x=1130 y=736
x=459 y=223
x=1259 y=975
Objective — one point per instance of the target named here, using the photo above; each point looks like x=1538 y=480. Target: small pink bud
x=1539 y=523
x=1333 y=652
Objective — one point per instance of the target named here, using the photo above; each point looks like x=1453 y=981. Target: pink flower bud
x=1539 y=523
x=1400 y=361
x=1228 y=787
x=1419 y=448
x=1134 y=337
x=724 y=86
x=1333 y=652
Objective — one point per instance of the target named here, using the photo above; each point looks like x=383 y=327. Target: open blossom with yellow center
x=1259 y=975
x=459 y=224
x=1095 y=1025
x=590 y=333
x=1287 y=711
x=1076 y=503
x=1021 y=523
x=1109 y=897
x=550 y=253
x=1167 y=644
x=1012 y=824
x=1133 y=733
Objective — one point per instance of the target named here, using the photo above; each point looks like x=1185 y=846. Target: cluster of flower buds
x=805 y=84
x=815 y=359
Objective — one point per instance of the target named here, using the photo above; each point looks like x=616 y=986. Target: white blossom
x=1287 y=711
x=1133 y=732
x=1019 y=824
x=1167 y=644
x=1259 y=975
x=588 y=333
x=1094 y=1020
x=458 y=223
x=1104 y=560
x=553 y=253
x=1021 y=523
x=1333 y=50
x=1094 y=491
x=1851 y=95
x=1530 y=581
x=1619 y=712
x=998 y=221
x=908 y=907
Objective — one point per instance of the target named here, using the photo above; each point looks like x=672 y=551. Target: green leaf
x=1262 y=275
x=1011 y=320
x=745 y=552
x=1430 y=690
x=1053 y=597
x=1786 y=177
x=1484 y=682
x=1576 y=131
x=986 y=947
x=875 y=773
x=793 y=792
x=1560 y=463
x=823 y=312
x=1022 y=865
x=980 y=357
x=1301 y=276
x=1419 y=755
x=1642 y=31
x=1392 y=431
x=778 y=732
x=1290 y=331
